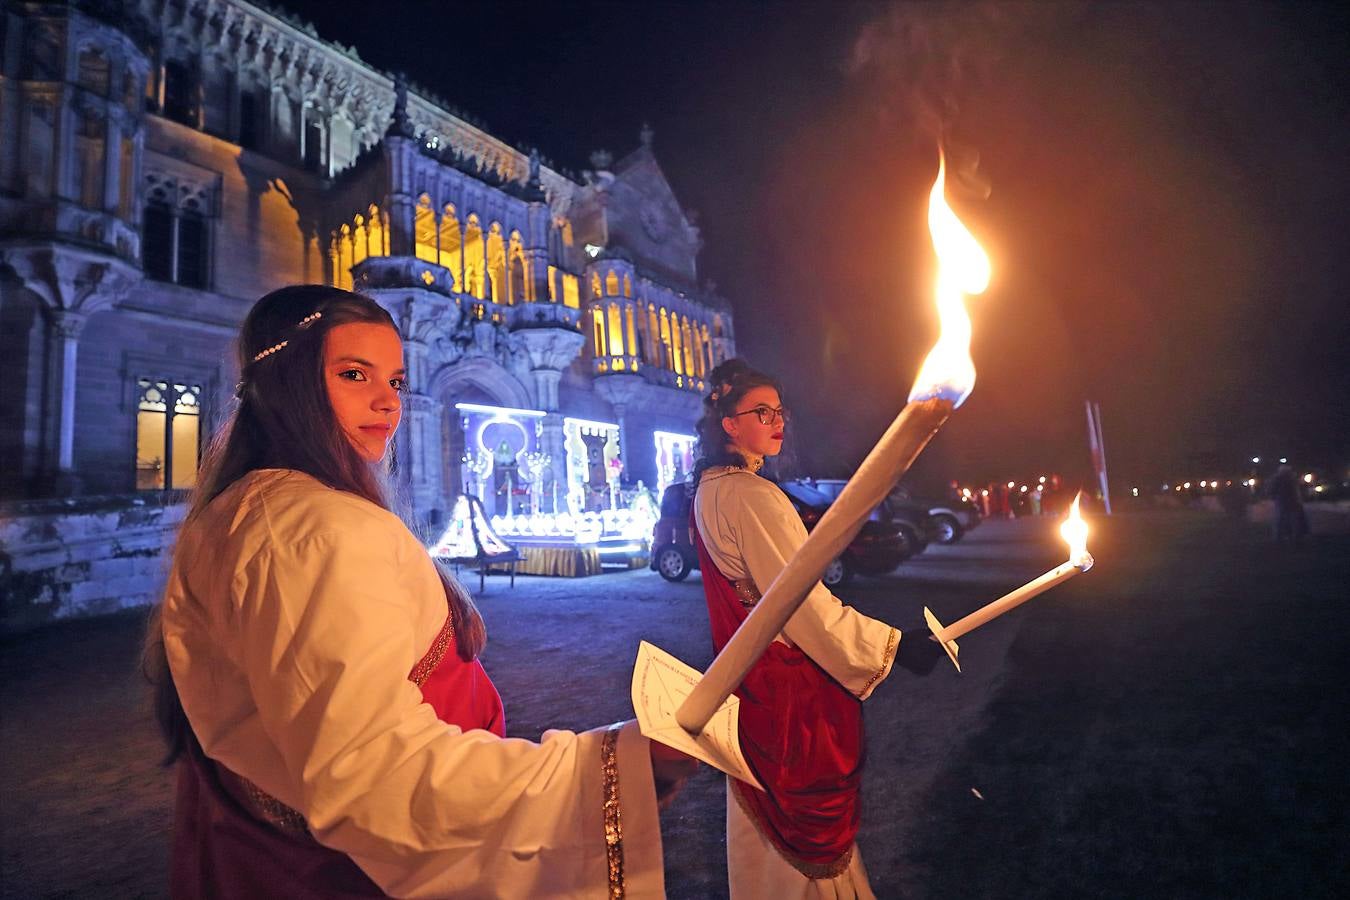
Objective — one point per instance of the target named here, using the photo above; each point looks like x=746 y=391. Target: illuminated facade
x=165 y=164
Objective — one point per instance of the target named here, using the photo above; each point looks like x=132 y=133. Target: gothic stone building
x=163 y=163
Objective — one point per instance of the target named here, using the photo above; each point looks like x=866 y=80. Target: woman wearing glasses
x=800 y=714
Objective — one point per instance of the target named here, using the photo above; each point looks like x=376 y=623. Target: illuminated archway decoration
x=674 y=458
x=592 y=448
x=467 y=519
x=498 y=437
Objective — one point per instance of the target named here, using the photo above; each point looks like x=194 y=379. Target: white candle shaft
x=879 y=472
x=1008 y=601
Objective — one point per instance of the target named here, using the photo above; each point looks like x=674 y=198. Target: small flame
x=1075 y=532
x=963 y=268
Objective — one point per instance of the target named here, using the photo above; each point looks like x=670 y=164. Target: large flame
x=1075 y=532
x=963 y=268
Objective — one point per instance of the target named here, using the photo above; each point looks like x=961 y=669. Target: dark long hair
x=728 y=383
x=284 y=420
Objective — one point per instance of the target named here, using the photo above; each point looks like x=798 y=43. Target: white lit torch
x=1075 y=532
x=945 y=380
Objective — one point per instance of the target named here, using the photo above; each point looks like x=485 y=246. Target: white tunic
x=292 y=617
x=751 y=530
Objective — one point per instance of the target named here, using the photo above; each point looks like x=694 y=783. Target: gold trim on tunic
x=814 y=871
x=892 y=644
x=422 y=671
x=746 y=592
x=613 y=818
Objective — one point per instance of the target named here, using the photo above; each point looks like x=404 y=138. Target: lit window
x=168 y=434
x=571 y=291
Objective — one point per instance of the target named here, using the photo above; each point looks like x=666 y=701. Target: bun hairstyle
x=285 y=420
x=729 y=383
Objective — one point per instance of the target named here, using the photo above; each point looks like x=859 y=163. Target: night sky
x=1163 y=190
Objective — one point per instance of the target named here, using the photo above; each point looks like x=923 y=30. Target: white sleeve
x=424 y=808
x=857 y=651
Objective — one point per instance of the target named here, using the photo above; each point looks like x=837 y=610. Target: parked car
x=951 y=520
x=673 y=553
x=878 y=548
x=943 y=522
x=915 y=526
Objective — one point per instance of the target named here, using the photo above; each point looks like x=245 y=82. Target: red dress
x=231 y=840
x=802 y=734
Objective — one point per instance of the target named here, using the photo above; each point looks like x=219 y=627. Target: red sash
x=802 y=734
x=231 y=840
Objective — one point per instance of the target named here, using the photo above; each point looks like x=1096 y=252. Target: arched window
x=424 y=231
x=627 y=286
x=571 y=291
x=41 y=54
x=667 y=357
x=90 y=159
x=615 y=330
x=252 y=117
x=192 y=249
x=314 y=136
x=517 y=290
x=612 y=284
x=595 y=285
x=168 y=434
x=360 y=241
x=473 y=258
x=157 y=242
x=653 y=337
x=346 y=252
x=176 y=242
x=598 y=331
x=40 y=150
x=217 y=89
x=180 y=92
x=451 y=253
x=496 y=263
x=632 y=332
x=347 y=255
x=379 y=235
x=677 y=344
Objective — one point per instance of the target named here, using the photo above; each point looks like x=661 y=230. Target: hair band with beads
x=303 y=323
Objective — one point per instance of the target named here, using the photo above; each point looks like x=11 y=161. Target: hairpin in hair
x=303 y=323
x=270 y=350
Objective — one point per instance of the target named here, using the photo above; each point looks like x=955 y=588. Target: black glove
x=919 y=652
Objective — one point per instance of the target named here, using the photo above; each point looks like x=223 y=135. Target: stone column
x=63 y=335
x=620 y=391
x=536 y=252
x=485 y=229
x=112 y=163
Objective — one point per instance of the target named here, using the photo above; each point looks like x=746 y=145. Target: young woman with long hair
x=800 y=713
x=317 y=675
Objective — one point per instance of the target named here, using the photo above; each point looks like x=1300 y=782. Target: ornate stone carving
x=69 y=279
